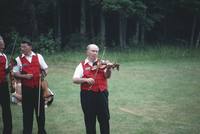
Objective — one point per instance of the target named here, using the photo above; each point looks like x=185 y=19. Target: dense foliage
x=116 y=23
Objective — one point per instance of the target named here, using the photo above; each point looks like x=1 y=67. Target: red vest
x=100 y=79
x=31 y=68
x=2 y=69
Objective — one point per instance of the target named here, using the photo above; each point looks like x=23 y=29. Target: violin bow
x=13 y=50
x=95 y=75
x=104 y=51
x=11 y=64
x=39 y=90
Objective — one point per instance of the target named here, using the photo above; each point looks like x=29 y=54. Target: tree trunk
x=142 y=34
x=57 y=19
x=92 y=25
x=33 y=21
x=193 y=30
x=103 y=28
x=83 y=18
x=137 y=32
x=122 y=30
x=69 y=17
x=198 y=39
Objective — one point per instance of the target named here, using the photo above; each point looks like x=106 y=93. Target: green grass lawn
x=146 y=97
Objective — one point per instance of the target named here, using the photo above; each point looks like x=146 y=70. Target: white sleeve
x=42 y=62
x=78 y=72
x=6 y=62
x=18 y=67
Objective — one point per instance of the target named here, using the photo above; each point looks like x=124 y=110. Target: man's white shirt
x=79 y=69
x=18 y=67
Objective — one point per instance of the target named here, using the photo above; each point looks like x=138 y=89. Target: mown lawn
x=146 y=97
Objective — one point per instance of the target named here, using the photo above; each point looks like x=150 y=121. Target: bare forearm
x=23 y=76
x=79 y=80
x=83 y=80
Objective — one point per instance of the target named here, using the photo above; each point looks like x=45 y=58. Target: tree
x=29 y=6
x=83 y=18
x=96 y=7
x=139 y=15
x=193 y=7
x=57 y=19
x=123 y=8
x=147 y=13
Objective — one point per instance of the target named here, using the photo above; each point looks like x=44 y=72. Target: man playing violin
x=94 y=91
x=4 y=91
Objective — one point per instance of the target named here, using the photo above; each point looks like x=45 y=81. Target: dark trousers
x=29 y=104
x=95 y=105
x=6 y=111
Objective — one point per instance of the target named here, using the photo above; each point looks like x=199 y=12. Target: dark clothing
x=95 y=105
x=29 y=104
x=6 y=111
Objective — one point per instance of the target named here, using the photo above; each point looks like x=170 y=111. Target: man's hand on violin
x=90 y=81
x=109 y=66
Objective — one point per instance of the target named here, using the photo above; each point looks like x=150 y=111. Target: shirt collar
x=89 y=62
x=1 y=53
x=32 y=53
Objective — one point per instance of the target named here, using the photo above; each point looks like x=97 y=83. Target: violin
x=103 y=64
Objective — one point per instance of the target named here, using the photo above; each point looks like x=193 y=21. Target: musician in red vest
x=28 y=70
x=4 y=91
x=94 y=91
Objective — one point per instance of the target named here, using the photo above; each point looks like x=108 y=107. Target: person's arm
x=17 y=72
x=46 y=71
x=108 y=71
x=7 y=67
x=23 y=76
x=77 y=78
x=43 y=65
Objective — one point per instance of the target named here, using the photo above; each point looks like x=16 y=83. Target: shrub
x=77 y=41
x=46 y=44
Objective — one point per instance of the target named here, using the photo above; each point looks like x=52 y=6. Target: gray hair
x=92 y=45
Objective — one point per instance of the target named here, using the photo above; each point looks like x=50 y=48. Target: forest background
x=59 y=25
x=156 y=43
